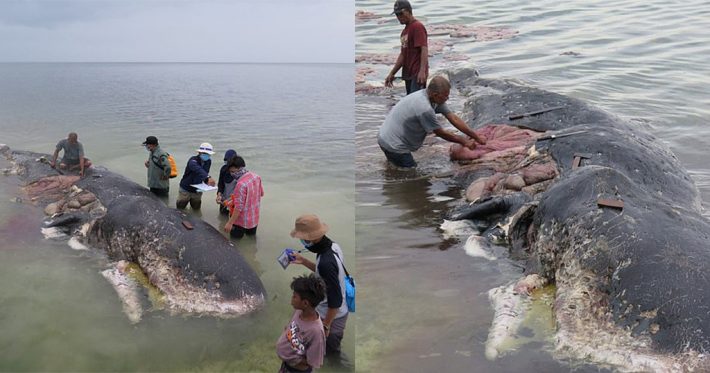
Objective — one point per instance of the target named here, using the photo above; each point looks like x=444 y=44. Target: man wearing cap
x=73 y=154
x=196 y=172
x=328 y=266
x=414 y=53
x=158 y=168
x=414 y=117
x=245 y=200
x=225 y=183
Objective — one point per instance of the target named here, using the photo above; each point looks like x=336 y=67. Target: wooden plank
x=576 y=161
x=614 y=203
x=532 y=113
x=583 y=155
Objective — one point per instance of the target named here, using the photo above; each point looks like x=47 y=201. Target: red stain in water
x=20 y=228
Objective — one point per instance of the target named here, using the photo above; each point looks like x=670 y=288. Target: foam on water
x=75 y=244
x=53 y=233
x=457 y=228
x=479 y=247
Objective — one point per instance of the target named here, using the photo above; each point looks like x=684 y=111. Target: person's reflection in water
x=411 y=191
x=248 y=246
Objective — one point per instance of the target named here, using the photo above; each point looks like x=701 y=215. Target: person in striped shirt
x=245 y=201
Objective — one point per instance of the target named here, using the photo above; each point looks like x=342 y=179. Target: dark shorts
x=285 y=368
x=239 y=232
x=413 y=86
x=400 y=159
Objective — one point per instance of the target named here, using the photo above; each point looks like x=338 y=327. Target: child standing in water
x=301 y=346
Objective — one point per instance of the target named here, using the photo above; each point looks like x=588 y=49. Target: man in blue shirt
x=197 y=171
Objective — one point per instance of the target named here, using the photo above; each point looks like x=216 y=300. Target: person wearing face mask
x=328 y=266
x=245 y=200
x=226 y=183
x=158 y=168
x=197 y=171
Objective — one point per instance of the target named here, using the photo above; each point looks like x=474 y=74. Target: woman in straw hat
x=328 y=266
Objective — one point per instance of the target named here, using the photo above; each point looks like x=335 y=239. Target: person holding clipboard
x=197 y=171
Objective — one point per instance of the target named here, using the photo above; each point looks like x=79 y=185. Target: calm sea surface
x=293 y=124
x=425 y=307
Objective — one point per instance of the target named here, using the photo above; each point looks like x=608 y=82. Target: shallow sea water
x=426 y=308
x=293 y=124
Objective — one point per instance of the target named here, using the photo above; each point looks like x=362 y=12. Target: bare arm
x=463 y=127
x=299 y=259
x=397 y=65
x=448 y=136
x=423 y=65
x=230 y=222
x=54 y=158
x=81 y=165
x=329 y=317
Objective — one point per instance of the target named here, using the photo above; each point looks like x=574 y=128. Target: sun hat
x=150 y=140
x=309 y=227
x=401 y=5
x=205 y=147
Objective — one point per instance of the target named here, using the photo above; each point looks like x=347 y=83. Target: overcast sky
x=177 y=31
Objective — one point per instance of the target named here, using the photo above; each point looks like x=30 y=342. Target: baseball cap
x=229 y=154
x=150 y=140
x=401 y=5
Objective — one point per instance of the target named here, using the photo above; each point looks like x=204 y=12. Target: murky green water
x=58 y=313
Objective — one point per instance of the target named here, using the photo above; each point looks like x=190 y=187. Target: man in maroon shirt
x=414 y=53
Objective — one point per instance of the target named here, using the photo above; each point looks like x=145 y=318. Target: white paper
x=202 y=187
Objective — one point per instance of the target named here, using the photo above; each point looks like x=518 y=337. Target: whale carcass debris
x=604 y=211
x=198 y=271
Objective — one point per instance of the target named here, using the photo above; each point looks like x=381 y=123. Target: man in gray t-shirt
x=73 y=157
x=414 y=117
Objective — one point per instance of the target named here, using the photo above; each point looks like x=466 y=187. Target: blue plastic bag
x=349 y=287
x=350 y=292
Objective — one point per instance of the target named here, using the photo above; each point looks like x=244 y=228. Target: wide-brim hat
x=205 y=147
x=308 y=227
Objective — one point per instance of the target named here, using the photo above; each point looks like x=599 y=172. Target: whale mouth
x=185 y=298
x=134 y=288
x=586 y=329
